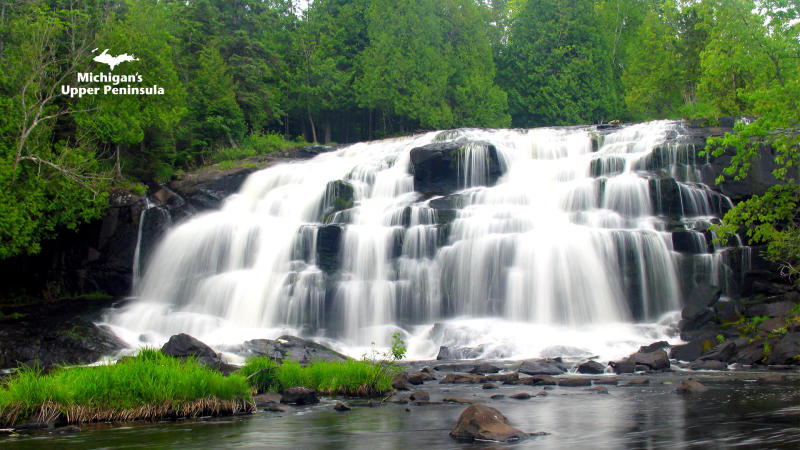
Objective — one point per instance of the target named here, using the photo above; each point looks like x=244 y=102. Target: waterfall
x=579 y=237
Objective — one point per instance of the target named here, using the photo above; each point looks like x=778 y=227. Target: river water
x=735 y=412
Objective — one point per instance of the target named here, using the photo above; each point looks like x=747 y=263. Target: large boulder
x=481 y=422
x=292 y=348
x=786 y=351
x=456 y=353
x=299 y=395
x=49 y=340
x=591 y=367
x=438 y=167
x=183 y=346
x=543 y=367
x=329 y=242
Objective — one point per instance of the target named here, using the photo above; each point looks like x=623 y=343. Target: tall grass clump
x=351 y=377
x=149 y=386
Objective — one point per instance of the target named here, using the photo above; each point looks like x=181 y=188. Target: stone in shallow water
x=458 y=400
x=574 y=382
x=598 y=389
x=638 y=382
x=461 y=378
x=481 y=422
x=708 y=364
x=299 y=395
x=691 y=387
x=591 y=367
x=401 y=382
x=520 y=396
x=542 y=367
x=420 y=396
x=339 y=406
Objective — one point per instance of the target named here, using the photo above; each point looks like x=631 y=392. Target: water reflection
x=734 y=412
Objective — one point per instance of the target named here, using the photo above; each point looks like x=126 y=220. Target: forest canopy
x=242 y=76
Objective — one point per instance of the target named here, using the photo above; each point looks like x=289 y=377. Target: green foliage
x=253 y=145
x=148 y=379
x=720 y=339
x=351 y=377
x=398 y=348
x=558 y=68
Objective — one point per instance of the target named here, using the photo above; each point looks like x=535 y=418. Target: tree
x=558 y=66
x=769 y=89
x=214 y=116
x=47 y=181
x=140 y=129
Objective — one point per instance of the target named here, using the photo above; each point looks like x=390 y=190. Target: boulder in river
x=543 y=367
x=299 y=395
x=481 y=422
x=591 y=367
x=786 y=351
x=400 y=382
x=691 y=387
x=292 y=348
x=456 y=353
x=438 y=168
x=183 y=346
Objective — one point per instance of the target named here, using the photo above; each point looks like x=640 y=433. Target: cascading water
x=549 y=237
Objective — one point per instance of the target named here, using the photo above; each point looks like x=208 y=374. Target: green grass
x=147 y=386
x=351 y=377
x=254 y=145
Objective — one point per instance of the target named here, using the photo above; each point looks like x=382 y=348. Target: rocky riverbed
x=738 y=408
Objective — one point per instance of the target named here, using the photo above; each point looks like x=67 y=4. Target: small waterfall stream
x=573 y=244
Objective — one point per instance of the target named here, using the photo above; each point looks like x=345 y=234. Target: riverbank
x=736 y=409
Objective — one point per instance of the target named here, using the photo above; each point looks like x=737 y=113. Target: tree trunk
x=117 y=168
x=313 y=129
x=327 y=129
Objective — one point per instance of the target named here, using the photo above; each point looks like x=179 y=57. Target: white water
x=549 y=256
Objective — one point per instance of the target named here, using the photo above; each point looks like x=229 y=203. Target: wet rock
x=401 y=398
x=341 y=407
x=329 y=242
x=638 y=382
x=456 y=353
x=691 y=387
x=622 y=366
x=435 y=166
x=401 y=382
x=274 y=407
x=722 y=352
x=772 y=325
x=776 y=309
x=747 y=352
x=610 y=381
x=420 y=396
x=465 y=401
x=655 y=360
x=591 y=367
x=537 y=380
x=574 y=382
x=771 y=379
x=262 y=400
x=420 y=377
x=687 y=352
x=520 y=396
x=542 y=367
x=299 y=395
x=497 y=396
x=786 y=351
x=183 y=346
x=454 y=367
x=489 y=386
x=51 y=338
x=290 y=348
x=481 y=422
x=542 y=393
x=509 y=377
x=485 y=368
x=461 y=378
x=598 y=390
x=654 y=347
x=708 y=364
